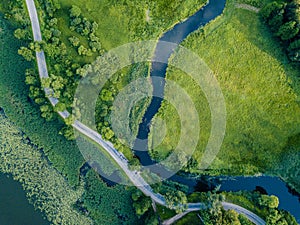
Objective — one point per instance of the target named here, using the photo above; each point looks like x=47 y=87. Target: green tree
x=47 y=34
x=106 y=95
x=67 y=132
x=134 y=164
x=75 y=11
x=81 y=72
x=57 y=82
x=47 y=112
x=294 y=45
x=176 y=200
x=30 y=77
x=53 y=22
x=151 y=220
x=40 y=101
x=75 y=22
x=273 y=217
x=244 y=220
x=60 y=107
x=142 y=205
x=69 y=120
x=288 y=30
x=82 y=50
x=269 y=201
x=26 y=53
x=271 y=10
x=74 y=41
x=214 y=203
x=34 y=92
x=45 y=82
x=21 y=34
x=136 y=194
x=230 y=217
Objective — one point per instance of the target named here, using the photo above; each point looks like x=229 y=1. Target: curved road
x=135 y=178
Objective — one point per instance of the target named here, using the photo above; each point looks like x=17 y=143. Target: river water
x=14 y=206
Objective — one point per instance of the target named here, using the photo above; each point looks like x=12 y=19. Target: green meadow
x=261 y=90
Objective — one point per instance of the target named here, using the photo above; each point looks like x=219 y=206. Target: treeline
x=64 y=155
x=283 y=18
x=66 y=70
x=85 y=28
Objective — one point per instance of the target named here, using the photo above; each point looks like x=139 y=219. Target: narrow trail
x=174 y=218
x=247 y=7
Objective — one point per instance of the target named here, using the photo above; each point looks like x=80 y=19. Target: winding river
x=289 y=200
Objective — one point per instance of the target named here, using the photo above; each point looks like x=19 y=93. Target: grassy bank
x=261 y=90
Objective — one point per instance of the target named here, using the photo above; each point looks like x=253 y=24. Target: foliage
x=26 y=53
x=214 y=214
x=107 y=205
x=279 y=217
x=176 y=200
x=83 y=30
x=141 y=203
x=289 y=166
x=223 y=217
x=283 y=19
x=64 y=155
x=255 y=3
x=268 y=201
x=120 y=22
x=164 y=212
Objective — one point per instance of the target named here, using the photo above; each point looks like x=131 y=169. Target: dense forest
x=283 y=18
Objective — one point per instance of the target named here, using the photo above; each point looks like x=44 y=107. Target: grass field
x=261 y=90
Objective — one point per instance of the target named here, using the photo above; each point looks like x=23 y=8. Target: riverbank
x=29 y=167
